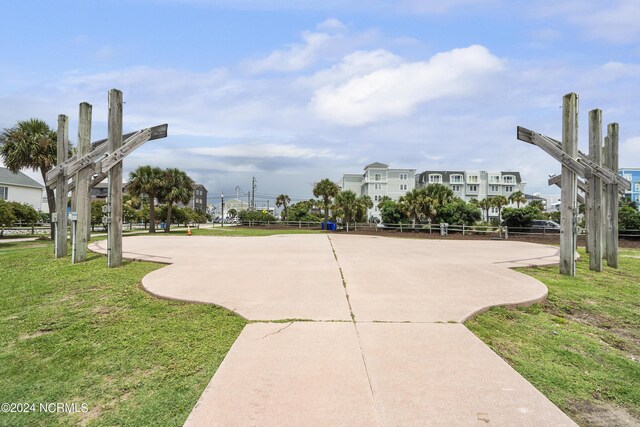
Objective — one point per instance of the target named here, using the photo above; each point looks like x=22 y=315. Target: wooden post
x=61 y=188
x=612 y=196
x=569 y=190
x=83 y=176
x=605 y=199
x=594 y=195
x=114 y=251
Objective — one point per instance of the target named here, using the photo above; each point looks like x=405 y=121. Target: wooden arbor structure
x=92 y=163
x=601 y=185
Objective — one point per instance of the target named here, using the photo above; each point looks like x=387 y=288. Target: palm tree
x=31 y=144
x=440 y=194
x=485 y=205
x=326 y=189
x=499 y=202
x=283 y=200
x=346 y=206
x=177 y=188
x=147 y=180
x=416 y=205
x=364 y=203
x=517 y=198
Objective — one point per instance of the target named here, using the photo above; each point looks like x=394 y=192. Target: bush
x=391 y=214
x=458 y=212
x=24 y=213
x=628 y=218
x=520 y=217
x=255 y=216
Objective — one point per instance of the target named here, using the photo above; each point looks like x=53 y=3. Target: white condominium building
x=378 y=181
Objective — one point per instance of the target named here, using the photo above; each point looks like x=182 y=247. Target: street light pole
x=222 y=210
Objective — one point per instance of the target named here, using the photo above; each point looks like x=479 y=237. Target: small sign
x=54 y=217
x=73 y=216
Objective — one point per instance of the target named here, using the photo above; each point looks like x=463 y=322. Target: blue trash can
x=331 y=226
x=322 y=226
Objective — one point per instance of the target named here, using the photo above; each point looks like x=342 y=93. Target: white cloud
x=614 y=21
x=259 y=150
x=395 y=91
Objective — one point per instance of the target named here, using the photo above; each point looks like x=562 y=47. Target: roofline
x=39 y=186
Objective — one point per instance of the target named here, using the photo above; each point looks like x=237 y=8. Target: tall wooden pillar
x=612 y=198
x=83 y=176
x=594 y=195
x=114 y=245
x=61 y=188
x=569 y=190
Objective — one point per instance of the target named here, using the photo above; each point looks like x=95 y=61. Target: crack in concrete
x=355 y=326
x=276 y=332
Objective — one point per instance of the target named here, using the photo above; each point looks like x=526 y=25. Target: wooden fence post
x=115 y=180
x=83 y=176
x=594 y=194
x=605 y=199
x=61 y=187
x=568 y=212
x=613 y=196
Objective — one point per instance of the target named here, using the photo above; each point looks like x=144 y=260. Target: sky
x=295 y=91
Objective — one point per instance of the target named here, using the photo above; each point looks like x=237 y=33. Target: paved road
x=377 y=338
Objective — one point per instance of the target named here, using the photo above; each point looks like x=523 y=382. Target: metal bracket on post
x=73 y=217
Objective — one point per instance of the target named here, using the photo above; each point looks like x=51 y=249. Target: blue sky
x=293 y=92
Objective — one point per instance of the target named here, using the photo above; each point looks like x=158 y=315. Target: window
x=473 y=188
x=494 y=179
x=435 y=179
x=627 y=176
x=4 y=193
x=377 y=186
x=509 y=188
x=494 y=210
x=473 y=179
x=508 y=179
x=456 y=179
x=637 y=186
x=376 y=198
x=494 y=188
x=403 y=176
x=455 y=188
x=376 y=177
x=403 y=187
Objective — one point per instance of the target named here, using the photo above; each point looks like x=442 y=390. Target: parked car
x=545 y=225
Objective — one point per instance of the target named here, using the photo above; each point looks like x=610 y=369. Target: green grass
x=581 y=347
x=86 y=334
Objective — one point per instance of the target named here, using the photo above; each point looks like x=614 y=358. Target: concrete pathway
x=381 y=346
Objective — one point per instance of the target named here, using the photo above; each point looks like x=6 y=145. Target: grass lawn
x=86 y=334
x=581 y=348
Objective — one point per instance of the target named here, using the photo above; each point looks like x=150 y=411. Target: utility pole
x=253 y=193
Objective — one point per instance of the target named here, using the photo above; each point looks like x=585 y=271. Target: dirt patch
x=92 y=414
x=36 y=334
x=592 y=414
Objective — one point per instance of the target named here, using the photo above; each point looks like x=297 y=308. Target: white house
x=18 y=187
x=378 y=181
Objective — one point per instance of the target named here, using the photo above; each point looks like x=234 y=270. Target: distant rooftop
x=18 y=179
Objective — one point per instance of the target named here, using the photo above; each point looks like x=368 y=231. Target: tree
x=440 y=194
x=520 y=217
x=417 y=205
x=232 y=213
x=147 y=181
x=177 y=188
x=7 y=218
x=96 y=212
x=24 y=213
x=283 y=200
x=499 y=202
x=458 y=212
x=383 y=200
x=31 y=144
x=326 y=189
x=517 y=198
x=628 y=218
x=390 y=212
x=364 y=203
x=346 y=206
x=485 y=205
x=539 y=204
x=258 y=216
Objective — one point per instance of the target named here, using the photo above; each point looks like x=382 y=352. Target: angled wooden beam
x=556 y=180
x=581 y=165
x=75 y=163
